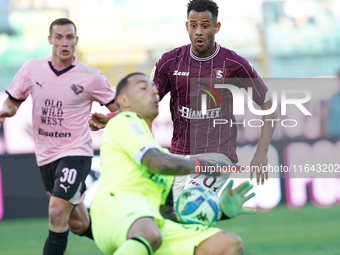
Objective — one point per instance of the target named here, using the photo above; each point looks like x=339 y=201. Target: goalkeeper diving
x=132 y=212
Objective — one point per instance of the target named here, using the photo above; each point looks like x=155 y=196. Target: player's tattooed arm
x=167 y=164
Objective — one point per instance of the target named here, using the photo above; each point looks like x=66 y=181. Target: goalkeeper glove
x=232 y=200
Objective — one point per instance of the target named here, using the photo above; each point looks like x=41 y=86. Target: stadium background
x=282 y=40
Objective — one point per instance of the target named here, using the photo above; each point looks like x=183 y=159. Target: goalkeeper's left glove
x=232 y=200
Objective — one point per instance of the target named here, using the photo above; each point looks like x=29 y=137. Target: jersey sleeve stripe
x=140 y=154
x=111 y=102
x=14 y=99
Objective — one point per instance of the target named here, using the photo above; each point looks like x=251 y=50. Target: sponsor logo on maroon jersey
x=176 y=72
x=189 y=113
x=204 y=113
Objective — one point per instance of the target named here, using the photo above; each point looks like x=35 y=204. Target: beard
x=202 y=50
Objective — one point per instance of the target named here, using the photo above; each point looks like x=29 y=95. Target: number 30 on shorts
x=69 y=175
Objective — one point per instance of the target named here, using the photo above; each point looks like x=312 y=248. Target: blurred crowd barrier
x=292 y=38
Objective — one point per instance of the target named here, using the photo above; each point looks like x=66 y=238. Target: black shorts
x=65 y=177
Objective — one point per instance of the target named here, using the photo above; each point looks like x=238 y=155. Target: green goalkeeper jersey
x=126 y=139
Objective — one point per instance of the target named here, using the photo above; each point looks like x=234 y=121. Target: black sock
x=56 y=243
x=88 y=232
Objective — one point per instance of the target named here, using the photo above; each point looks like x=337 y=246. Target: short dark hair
x=123 y=83
x=203 y=5
x=60 y=22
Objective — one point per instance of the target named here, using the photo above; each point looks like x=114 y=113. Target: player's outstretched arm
x=232 y=200
x=112 y=107
x=98 y=121
x=260 y=158
x=167 y=164
x=9 y=109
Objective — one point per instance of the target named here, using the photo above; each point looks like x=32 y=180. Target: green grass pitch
x=281 y=231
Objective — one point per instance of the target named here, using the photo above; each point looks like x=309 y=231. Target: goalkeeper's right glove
x=232 y=200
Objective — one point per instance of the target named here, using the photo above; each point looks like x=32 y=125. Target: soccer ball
x=198 y=205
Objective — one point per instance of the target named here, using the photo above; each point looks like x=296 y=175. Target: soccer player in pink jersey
x=192 y=70
x=62 y=91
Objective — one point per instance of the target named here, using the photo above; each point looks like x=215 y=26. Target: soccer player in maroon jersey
x=192 y=70
x=62 y=90
x=188 y=72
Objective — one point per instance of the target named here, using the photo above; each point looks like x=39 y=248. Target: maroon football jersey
x=188 y=77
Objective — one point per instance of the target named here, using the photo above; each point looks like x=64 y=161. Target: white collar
x=217 y=50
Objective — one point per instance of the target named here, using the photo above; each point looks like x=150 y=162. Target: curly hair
x=203 y=5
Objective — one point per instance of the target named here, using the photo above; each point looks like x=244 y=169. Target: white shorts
x=184 y=182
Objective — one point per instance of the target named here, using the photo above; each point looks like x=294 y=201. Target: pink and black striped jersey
x=187 y=77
